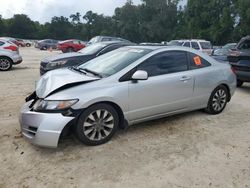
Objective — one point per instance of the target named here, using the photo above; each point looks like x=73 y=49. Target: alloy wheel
x=5 y=64
x=219 y=100
x=98 y=125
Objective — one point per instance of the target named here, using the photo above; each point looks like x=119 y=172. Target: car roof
x=148 y=47
x=115 y=42
x=190 y=40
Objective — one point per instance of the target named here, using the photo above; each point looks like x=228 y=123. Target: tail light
x=234 y=53
x=233 y=70
x=12 y=48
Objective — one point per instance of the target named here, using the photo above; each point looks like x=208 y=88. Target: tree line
x=219 y=21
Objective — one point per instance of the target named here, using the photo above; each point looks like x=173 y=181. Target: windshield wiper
x=75 y=68
x=92 y=72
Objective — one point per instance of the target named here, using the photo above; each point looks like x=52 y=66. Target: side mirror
x=140 y=75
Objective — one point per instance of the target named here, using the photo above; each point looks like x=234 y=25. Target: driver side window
x=165 y=63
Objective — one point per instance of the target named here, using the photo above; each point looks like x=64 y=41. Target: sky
x=44 y=10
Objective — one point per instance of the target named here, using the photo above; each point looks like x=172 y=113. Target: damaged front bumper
x=42 y=129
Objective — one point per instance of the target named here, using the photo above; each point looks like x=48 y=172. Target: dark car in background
x=71 y=45
x=80 y=57
x=222 y=53
x=239 y=58
x=105 y=39
x=46 y=44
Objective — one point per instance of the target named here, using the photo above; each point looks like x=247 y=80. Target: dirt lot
x=188 y=150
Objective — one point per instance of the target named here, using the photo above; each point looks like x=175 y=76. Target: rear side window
x=197 y=62
x=187 y=44
x=1 y=43
x=206 y=45
x=195 y=45
x=165 y=63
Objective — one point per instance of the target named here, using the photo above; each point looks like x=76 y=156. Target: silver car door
x=169 y=86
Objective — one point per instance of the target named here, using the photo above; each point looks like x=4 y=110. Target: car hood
x=60 y=79
x=62 y=56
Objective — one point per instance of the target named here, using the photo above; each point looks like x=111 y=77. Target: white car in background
x=198 y=44
x=9 y=55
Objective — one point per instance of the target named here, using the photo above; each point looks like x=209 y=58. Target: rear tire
x=97 y=124
x=44 y=48
x=5 y=64
x=239 y=83
x=218 y=100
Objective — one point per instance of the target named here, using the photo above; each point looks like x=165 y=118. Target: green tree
x=242 y=18
x=60 y=28
x=2 y=26
x=21 y=26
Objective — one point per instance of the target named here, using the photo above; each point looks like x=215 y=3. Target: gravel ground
x=188 y=150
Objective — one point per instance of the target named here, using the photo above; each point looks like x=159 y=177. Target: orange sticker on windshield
x=197 y=60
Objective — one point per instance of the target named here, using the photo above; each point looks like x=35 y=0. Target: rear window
x=92 y=49
x=245 y=45
x=106 y=39
x=206 y=45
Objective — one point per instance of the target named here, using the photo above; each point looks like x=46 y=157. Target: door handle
x=185 y=78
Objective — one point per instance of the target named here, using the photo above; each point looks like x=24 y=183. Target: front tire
x=5 y=64
x=218 y=100
x=44 y=48
x=69 y=50
x=97 y=124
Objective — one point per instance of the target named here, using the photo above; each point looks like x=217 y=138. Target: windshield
x=206 y=45
x=92 y=49
x=229 y=46
x=114 y=61
x=93 y=40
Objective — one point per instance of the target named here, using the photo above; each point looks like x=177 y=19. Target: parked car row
x=73 y=45
x=117 y=84
x=201 y=45
x=18 y=42
x=82 y=56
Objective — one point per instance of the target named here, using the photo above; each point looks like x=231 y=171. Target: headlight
x=55 y=64
x=53 y=105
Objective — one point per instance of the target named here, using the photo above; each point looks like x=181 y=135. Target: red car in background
x=72 y=45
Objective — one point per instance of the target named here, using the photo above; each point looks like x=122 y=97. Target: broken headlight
x=41 y=105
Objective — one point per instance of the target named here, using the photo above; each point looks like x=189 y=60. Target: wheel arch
x=123 y=124
x=227 y=87
x=228 y=90
x=4 y=56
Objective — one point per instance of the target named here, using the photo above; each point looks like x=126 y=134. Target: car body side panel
x=160 y=94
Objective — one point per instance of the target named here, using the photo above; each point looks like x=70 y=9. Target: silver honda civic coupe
x=123 y=87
